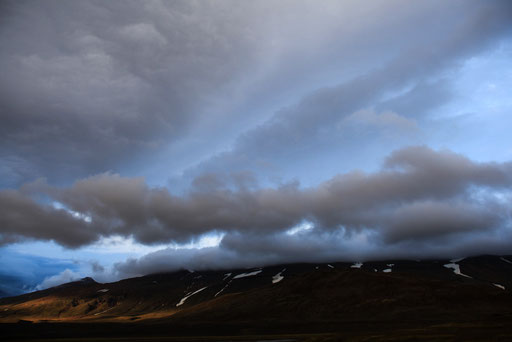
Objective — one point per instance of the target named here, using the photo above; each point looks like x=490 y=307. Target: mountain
x=399 y=297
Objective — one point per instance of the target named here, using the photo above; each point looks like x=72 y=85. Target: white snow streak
x=500 y=286
x=390 y=269
x=243 y=275
x=278 y=277
x=507 y=261
x=357 y=265
x=182 y=301
x=329 y=265
x=226 y=276
x=103 y=290
x=456 y=269
x=218 y=293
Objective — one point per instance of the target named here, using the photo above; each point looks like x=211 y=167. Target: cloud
x=245 y=250
x=419 y=193
x=401 y=78
x=421 y=99
x=96 y=267
x=82 y=94
x=423 y=219
x=387 y=120
x=118 y=79
x=236 y=101
x=22 y=217
x=65 y=276
x=239 y=250
x=22 y=271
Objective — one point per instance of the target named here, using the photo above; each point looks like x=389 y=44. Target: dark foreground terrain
x=436 y=300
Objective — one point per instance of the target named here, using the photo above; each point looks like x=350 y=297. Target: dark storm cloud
x=243 y=250
x=22 y=218
x=239 y=92
x=92 y=86
x=246 y=250
x=421 y=220
x=87 y=84
x=418 y=194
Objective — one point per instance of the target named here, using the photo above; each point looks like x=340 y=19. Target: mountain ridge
x=308 y=297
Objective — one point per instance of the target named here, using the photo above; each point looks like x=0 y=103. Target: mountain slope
x=319 y=297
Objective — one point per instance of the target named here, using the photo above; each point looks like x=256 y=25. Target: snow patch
x=329 y=265
x=499 y=286
x=103 y=290
x=243 y=275
x=226 y=276
x=357 y=265
x=225 y=287
x=390 y=269
x=507 y=261
x=182 y=301
x=456 y=269
x=278 y=277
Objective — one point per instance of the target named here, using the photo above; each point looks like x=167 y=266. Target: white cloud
x=63 y=277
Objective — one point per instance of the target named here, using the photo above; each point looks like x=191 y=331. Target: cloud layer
x=419 y=196
x=262 y=123
x=93 y=86
x=65 y=276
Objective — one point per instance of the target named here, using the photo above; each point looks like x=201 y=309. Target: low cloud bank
x=419 y=196
x=63 y=277
x=242 y=251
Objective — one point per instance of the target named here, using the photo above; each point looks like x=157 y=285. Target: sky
x=150 y=136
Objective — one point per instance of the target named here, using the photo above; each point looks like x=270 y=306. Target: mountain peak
x=87 y=280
